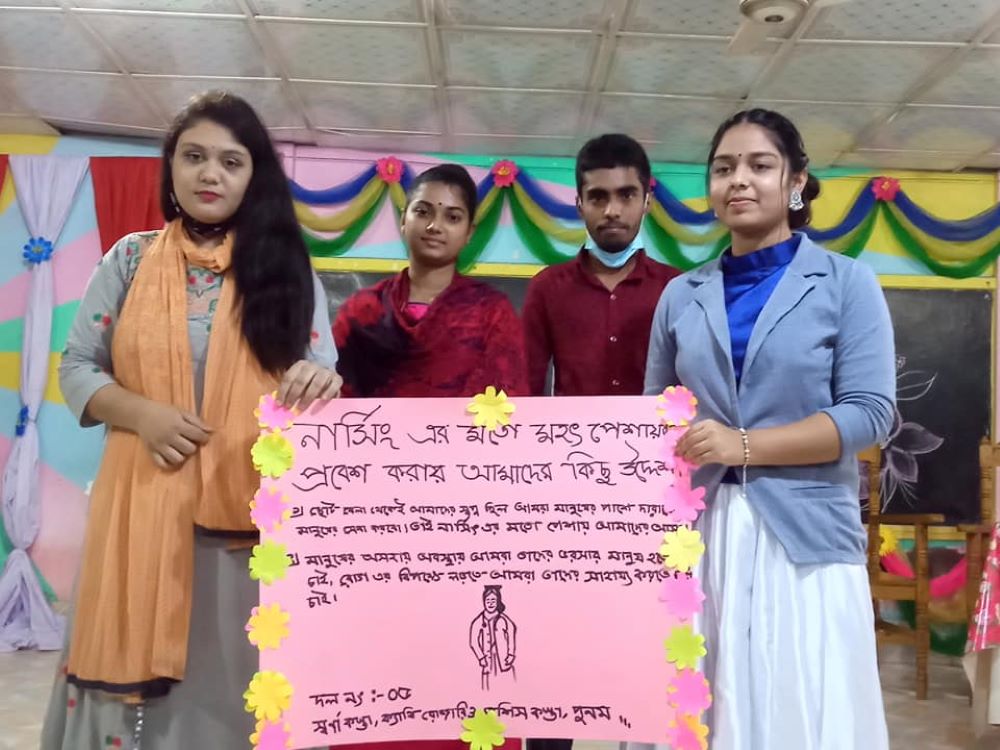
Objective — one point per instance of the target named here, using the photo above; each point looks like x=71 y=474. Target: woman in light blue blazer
x=789 y=349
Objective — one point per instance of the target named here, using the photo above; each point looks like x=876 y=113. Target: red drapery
x=126 y=196
x=3 y=169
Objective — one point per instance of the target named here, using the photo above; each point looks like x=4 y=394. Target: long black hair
x=271 y=265
x=786 y=138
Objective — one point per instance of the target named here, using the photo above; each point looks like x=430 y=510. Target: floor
x=939 y=724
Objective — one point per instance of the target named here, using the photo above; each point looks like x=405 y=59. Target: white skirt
x=791 y=648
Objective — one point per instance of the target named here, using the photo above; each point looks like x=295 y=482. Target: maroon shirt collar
x=640 y=272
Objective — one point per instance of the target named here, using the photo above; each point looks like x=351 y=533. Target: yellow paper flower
x=268 y=696
x=268 y=562
x=267 y=626
x=272 y=454
x=682 y=549
x=483 y=731
x=491 y=408
x=889 y=541
x=684 y=647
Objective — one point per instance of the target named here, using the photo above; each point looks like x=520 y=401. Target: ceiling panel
x=172 y=6
x=97 y=98
x=24 y=125
x=905 y=20
x=83 y=127
x=517 y=59
x=177 y=45
x=863 y=73
x=702 y=68
x=828 y=129
x=708 y=17
x=373 y=142
x=267 y=95
x=506 y=146
x=976 y=81
x=562 y=14
x=9 y=103
x=349 y=53
x=986 y=161
x=902 y=160
x=354 y=10
x=47 y=39
x=939 y=129
x=518 y=76
x=370 y=107
x=682 y=127
x=515 y=112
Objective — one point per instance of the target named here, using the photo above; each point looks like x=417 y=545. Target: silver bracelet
x=746 y=453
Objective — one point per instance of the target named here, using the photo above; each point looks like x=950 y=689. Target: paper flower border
x=683 y=502
x=689 y=692
x=483 y=730
x=678 y=406
x=268 y=562
x=269 y=509
x=268 y=696
x=684 y=647
x=688 y=733
x=272 y=454
x=491 y=408
x=682 y=549
x=273 y=416
x=271 y=736
x=683 y=597
x=267 y=626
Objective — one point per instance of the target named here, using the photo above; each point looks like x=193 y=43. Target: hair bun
x=811 y=191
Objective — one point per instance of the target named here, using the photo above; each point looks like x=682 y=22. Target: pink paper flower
x=687 y=733
x=683 y=502
x=677 y=406
x=389 y=169
x=267 y=509
x=689 y=692
x=885 y=188
x=504 y=173
x=682 y=597
x=670 y=441
x=272 y=736
x=273 y=416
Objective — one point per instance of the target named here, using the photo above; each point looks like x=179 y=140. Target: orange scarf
x=134 y=596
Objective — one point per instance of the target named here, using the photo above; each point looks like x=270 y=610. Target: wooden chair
x=977 y=535
x=896 y=588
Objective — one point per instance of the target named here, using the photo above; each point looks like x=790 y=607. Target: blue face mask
x=613 y=260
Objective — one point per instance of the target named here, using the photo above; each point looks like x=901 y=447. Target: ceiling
x=872 y=83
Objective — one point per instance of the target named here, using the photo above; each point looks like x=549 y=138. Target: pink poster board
x=435 y=567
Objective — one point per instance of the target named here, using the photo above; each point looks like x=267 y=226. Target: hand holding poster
x=418 y=564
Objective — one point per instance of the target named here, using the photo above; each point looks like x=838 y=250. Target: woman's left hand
x=709 y=442
x=305 y=382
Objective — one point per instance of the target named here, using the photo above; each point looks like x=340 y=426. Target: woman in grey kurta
x=205 y=708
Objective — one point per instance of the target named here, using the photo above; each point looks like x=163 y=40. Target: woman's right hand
x=171 y=435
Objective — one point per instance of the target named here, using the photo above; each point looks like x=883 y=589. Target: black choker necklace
x=193 y=226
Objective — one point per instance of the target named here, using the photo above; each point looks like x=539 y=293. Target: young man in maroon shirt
x=591 y=316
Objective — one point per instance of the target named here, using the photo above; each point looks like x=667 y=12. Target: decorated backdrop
x=907 y=226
